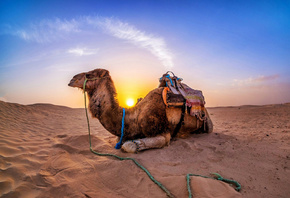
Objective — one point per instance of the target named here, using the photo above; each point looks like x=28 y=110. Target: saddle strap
x=178 y=126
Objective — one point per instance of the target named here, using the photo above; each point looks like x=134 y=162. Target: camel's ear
x=104 y=73
x=77 y=80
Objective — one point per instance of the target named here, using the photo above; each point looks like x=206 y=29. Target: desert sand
x=44 y=152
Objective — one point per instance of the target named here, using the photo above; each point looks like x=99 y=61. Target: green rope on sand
x=118 y=157
x=215 y=176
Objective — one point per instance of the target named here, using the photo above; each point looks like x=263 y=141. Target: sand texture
x=44 y=152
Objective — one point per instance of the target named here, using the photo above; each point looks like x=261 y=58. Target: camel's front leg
x=159 y=141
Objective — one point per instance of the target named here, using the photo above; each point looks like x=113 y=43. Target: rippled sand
x=44 y=152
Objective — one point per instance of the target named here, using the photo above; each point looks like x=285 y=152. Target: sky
x=236 y=52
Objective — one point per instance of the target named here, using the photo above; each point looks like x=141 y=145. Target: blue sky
x=236 y=52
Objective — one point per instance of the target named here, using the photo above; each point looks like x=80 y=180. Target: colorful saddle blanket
x=194 y=100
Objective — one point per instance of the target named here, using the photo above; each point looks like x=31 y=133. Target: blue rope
x=168 y=76
x=119 y=144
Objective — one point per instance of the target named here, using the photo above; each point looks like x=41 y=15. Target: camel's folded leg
x=158 y=141
x=208 y=124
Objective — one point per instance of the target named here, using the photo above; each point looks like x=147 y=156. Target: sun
x=130 y=102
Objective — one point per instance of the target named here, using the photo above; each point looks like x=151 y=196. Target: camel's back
x=152 y=117
x=152 y=113
x=152 y=101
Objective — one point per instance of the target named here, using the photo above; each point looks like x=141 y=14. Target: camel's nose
x=70 y=84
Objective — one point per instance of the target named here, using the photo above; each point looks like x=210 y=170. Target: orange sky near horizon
x=235 y=95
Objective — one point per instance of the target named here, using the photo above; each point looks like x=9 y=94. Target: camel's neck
x=104 y=106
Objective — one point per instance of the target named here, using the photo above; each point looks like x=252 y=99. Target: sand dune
x=44 y=152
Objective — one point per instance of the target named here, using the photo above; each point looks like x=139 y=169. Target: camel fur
x=149 y=123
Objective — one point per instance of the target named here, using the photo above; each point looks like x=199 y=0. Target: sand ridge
x=44 y=152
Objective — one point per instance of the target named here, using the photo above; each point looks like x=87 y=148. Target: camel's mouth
x=75 y=83
x=71 y=84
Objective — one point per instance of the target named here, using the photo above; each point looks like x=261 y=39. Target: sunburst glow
x=130 y=102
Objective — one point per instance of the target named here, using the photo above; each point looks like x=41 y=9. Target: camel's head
x=94 y=77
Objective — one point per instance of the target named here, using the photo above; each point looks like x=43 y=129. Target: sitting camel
x=149 y=124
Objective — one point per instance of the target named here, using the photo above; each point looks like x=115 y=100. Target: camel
x=149 y=124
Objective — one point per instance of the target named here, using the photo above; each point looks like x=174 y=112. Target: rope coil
x=215 y=176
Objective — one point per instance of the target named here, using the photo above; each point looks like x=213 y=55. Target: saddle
x=172 y=100
x=177 y=94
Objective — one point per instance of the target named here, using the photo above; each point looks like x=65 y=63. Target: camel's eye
x=89 y=76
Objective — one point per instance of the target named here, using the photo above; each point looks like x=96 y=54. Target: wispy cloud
x=47 y=30
x=266 y=78
x=255 y=80
x=50 y=30
x=82 y=51
x=156 y=45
